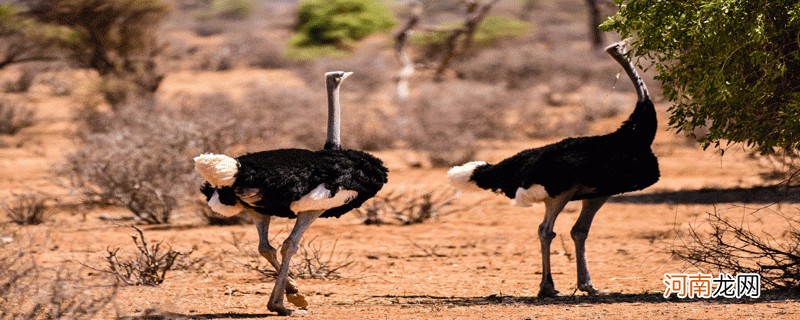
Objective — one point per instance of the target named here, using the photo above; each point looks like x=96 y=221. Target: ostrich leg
x=579 y=233
x=288 y=249
x=267 y=251
x=553 y=207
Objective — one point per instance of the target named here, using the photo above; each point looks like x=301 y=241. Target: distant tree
x=22 y=39
x=114 y=37
x=731 y=65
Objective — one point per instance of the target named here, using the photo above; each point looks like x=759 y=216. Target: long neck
x=615 y=51
x=642 y=124
x=334 y=117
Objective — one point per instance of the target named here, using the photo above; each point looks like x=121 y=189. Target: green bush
x=730 y=65
x=339 y=23
x=490 y=30
x=228 y=9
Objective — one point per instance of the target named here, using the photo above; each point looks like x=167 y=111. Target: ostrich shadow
x=767 y=296
x=567 y=300
x=755 y=195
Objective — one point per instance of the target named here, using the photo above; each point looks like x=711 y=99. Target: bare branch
x=471 y=22
x=401 y=38
x=731 y=246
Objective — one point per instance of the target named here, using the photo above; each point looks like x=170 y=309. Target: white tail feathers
x=218 y=169
x=460 y=175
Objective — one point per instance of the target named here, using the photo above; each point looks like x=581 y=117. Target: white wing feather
x=320 y=199
x=526 y=197
x=225 y=210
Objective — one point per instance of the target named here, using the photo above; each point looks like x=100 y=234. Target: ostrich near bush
x=292 y=183
x=587 y=168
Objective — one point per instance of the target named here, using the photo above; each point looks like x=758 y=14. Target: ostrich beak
x=346 y=74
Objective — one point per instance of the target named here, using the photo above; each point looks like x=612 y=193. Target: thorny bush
x=734 y=247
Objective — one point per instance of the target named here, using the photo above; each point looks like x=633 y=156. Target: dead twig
x=412 y=207
x=149 y=267
x=733 y=247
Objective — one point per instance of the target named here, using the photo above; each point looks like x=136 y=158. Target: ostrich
x=292 y=183
x=587 y=168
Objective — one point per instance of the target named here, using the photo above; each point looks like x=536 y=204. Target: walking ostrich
x=587 y=168
x=292 y=183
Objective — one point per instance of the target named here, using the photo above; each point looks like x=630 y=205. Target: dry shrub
x=142 y=163
x=31 y=291
x=219 y=123
x=519 y=68
x=409 y=207
x=261 y=52
x=93 y=120
x=519 y=65
x=320 y=260
x=116 y=91
x=447 y=119
x=369 y=129
x=242 y=48
x=314 y=259
x=149 y=266
x=140 y=157
x=23 y=82
x=27 y=208
x=734 y=247
x=602 y=104
x=253 y=261
x=571 y=114
x=15 y=117
x=59 y=85
x=543 y=122
x=219 y=58
x=371 y=71
x=291 y=116
x=209 y=28
x=126 y=169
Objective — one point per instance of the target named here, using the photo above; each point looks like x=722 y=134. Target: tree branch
x=401 y=38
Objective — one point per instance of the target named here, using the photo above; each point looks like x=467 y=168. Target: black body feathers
x=283 y=176
x=605 y=165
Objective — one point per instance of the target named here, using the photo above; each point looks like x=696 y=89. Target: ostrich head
x=333 y=79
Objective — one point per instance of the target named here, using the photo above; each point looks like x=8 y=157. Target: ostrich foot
x=283 y=311
x=590 y=290
x=297 y=299
x=280 y=309
x=547 y=292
